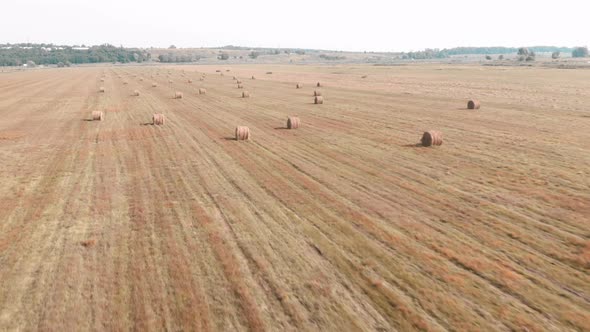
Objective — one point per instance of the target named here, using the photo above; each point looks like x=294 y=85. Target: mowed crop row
x=344 y=223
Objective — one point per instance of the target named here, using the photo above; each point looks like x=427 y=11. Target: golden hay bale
x=293 y=122
x=101 y=89
x=299 y=85
x=190 y=81
x=154 y=85
x=240 y=86
x=318 y=100
x=136 y=93
x=473 y=105
x=253 y=77
x=178 y=95
x=245 y=94
x=202 y=91
x=97 y=115
x=158 y=119
x=318 y=85
x=242 y=133
x=432 y=137
x=317 y=93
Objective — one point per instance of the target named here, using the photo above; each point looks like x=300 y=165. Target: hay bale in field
x=299 y=85
x=218 y=71
x=227 y=70
x=473 y=104
x=158 y=119
x=141 y=79
x=240 y=86
x=97 y=115
x=125 y=83
x=245 y=94
x=202 y=91
x=154 y=85
x=136 y=93
x=317 y=93
x=242 y=133
x=318 y=100
x=190 y=81
x=102 y=79
x=101 y=89
x=178 y=95
x=318 y=84
x=432 y=137
x=293 y=122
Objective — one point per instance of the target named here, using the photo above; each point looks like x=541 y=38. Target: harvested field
x=343 y=224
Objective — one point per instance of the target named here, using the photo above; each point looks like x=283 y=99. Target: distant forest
x=445 y=53
x=49 y=54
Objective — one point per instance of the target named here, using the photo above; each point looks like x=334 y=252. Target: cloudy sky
x=329 y=24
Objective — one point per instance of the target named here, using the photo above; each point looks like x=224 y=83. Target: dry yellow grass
x=343 y=224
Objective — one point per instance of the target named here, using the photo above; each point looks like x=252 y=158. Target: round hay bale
x=432 y=137
x=202 y=91
x=136 y=93
x=154 y=85
x=242 y=133
x=240 y=86
x=473 y=104
x=102 y=79
x=101 y=89
x=141 y=79
x=293 y=122
x=317 y=93
x=178 y=95
x=299 y=85
x=318 y=85
x=245 y=94
x=318 y=100
x=190 y=81
x=253 y=77
x=158 y=119
x=97 y=116
x=125 y=83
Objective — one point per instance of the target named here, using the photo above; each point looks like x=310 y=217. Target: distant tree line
x=49 y=54
x=171 y=57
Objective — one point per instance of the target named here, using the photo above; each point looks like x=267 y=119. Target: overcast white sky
x=329 y=24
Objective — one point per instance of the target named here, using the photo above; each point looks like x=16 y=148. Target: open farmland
x=342 y=224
